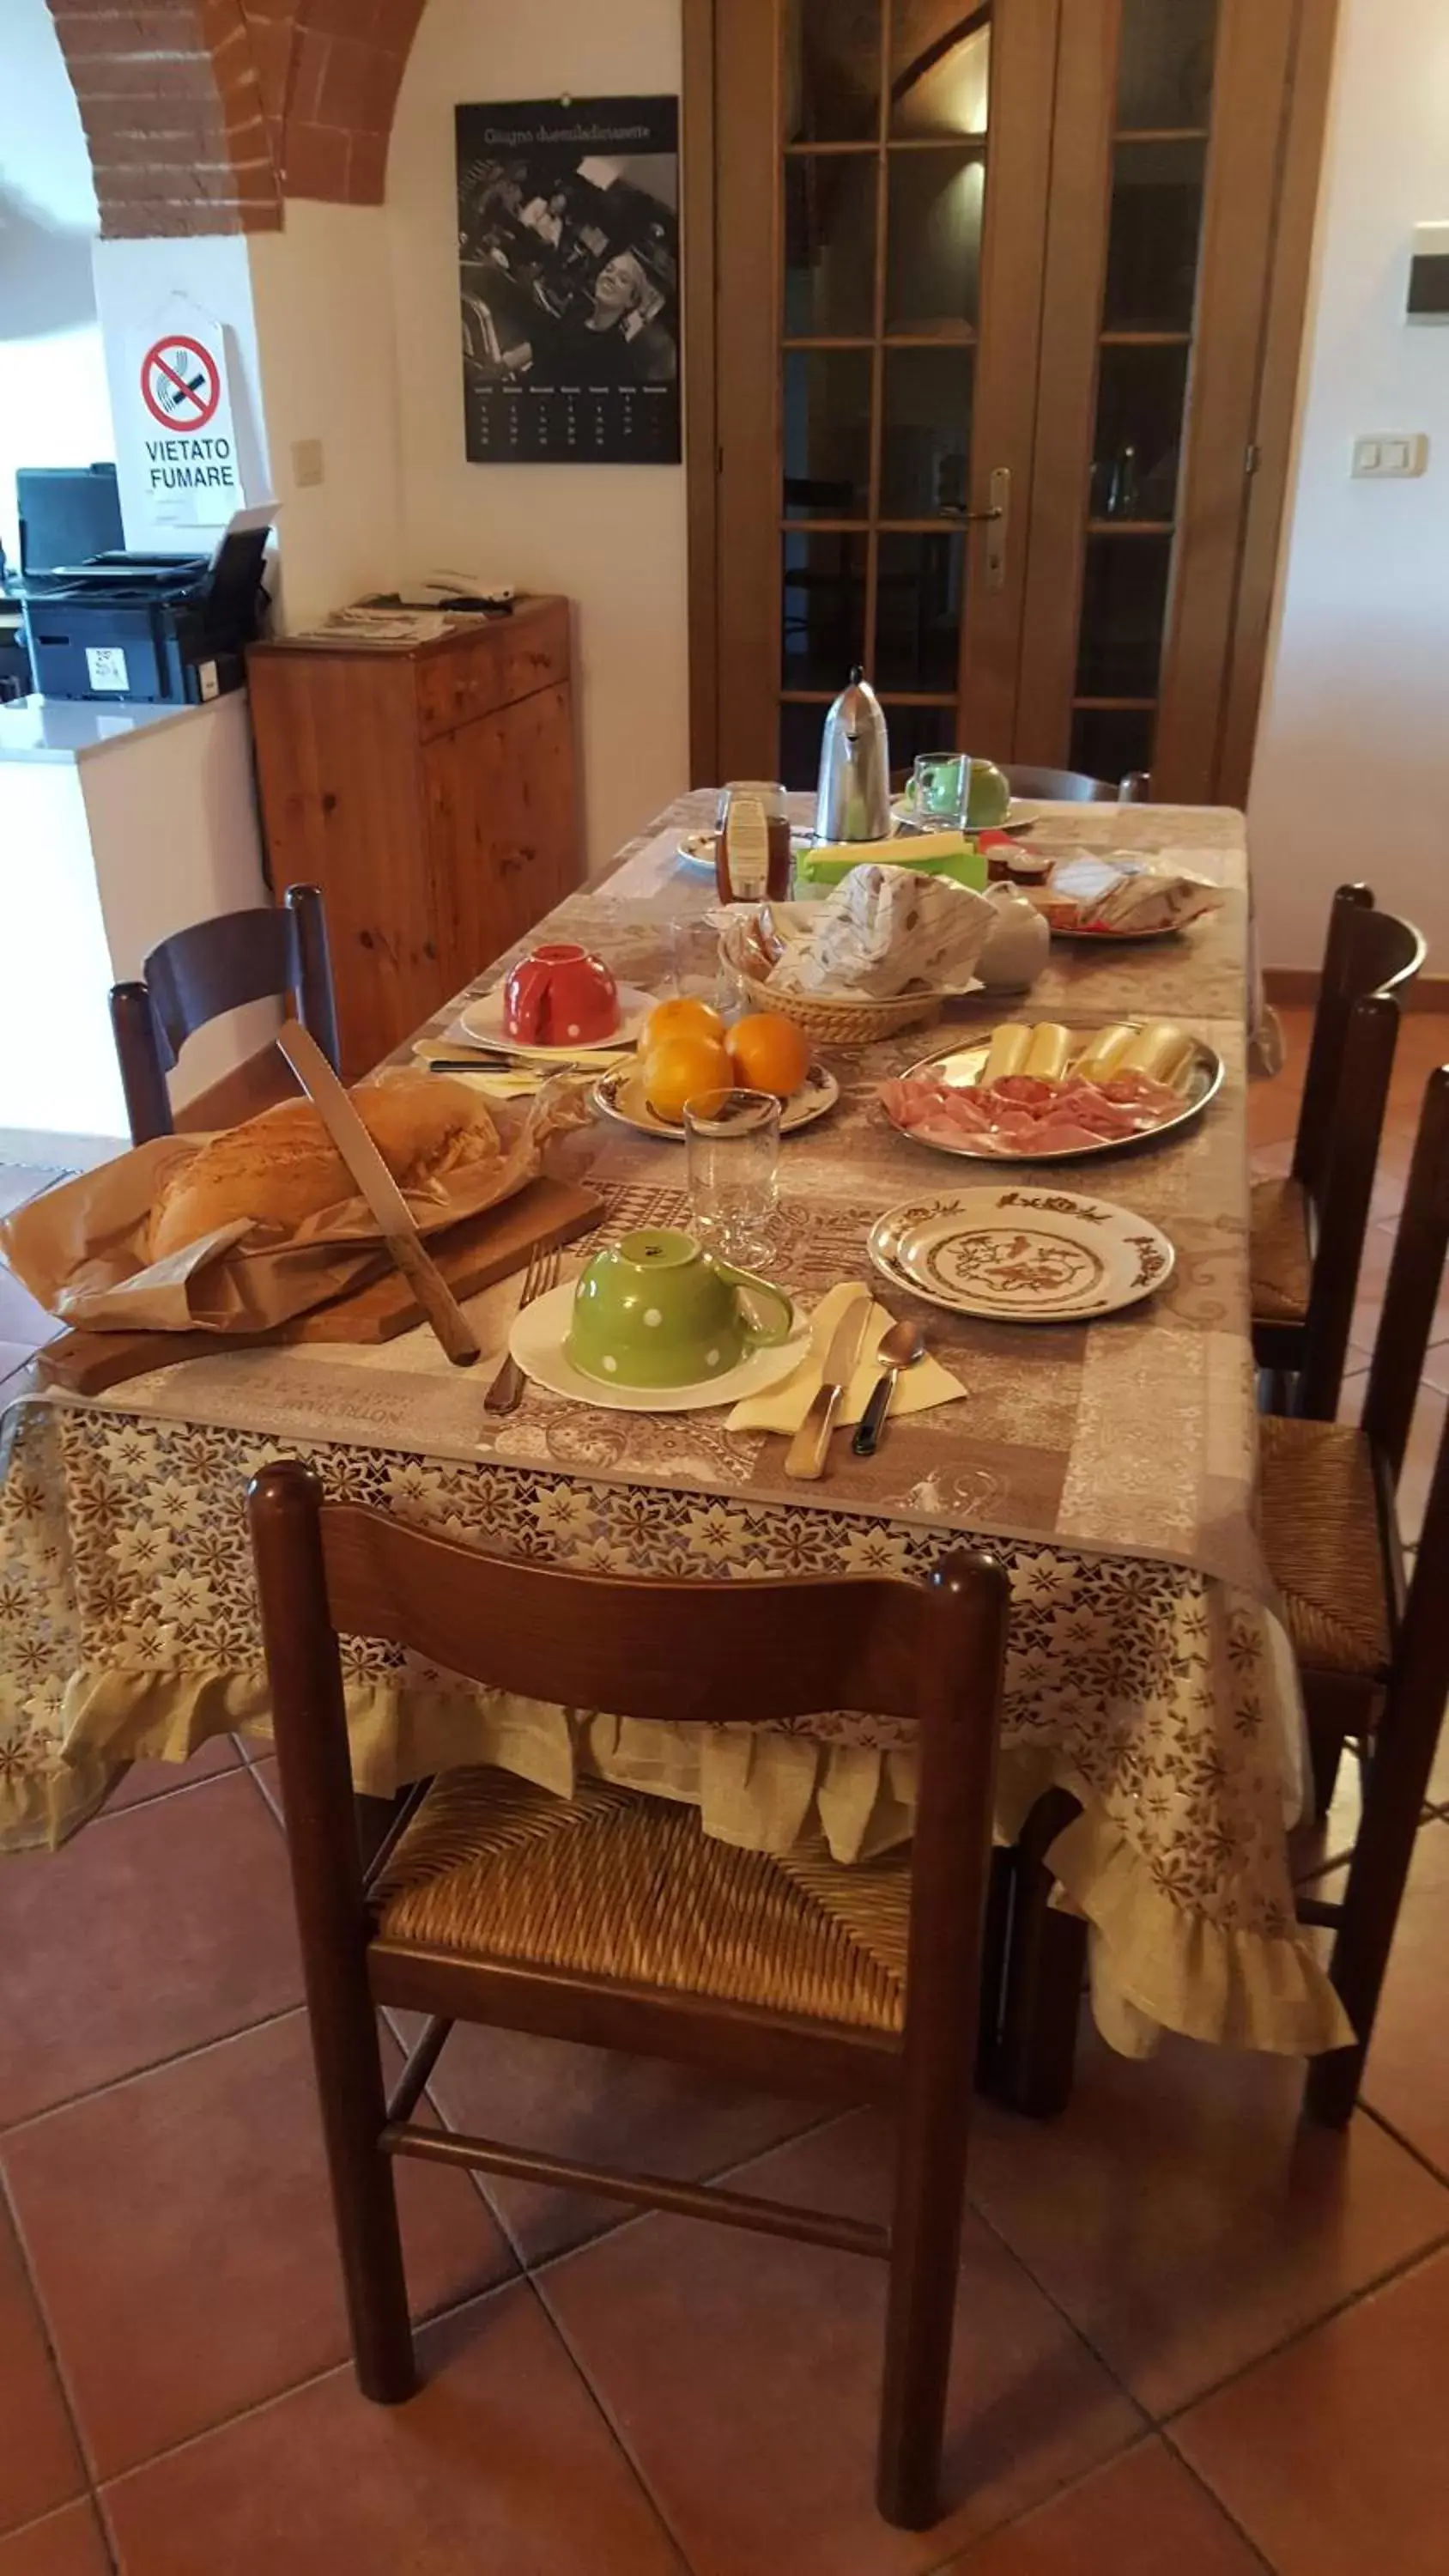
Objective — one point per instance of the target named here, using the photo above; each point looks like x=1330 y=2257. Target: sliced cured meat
x=1025 y=1114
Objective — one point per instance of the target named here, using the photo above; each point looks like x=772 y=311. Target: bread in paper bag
x=884 y=930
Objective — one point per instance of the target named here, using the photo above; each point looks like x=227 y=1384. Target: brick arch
x=205 y=116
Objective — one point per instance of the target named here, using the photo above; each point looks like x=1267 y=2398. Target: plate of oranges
x=686 y=1048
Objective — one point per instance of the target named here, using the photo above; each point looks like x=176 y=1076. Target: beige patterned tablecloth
x=1112 y=1467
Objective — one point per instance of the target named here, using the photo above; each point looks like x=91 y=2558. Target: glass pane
x=927 y=433
x=1124 y=601
x=800 y=731
x=1165 y=67
x=918 y=611
x=822 y=609
x=1152 y=245
x=1107 y=742
x=913 y=730
x=940 y=60
x=832 y=71
x=1140 y=398
x=825 y=427
x=830 y=245
x=933 y=254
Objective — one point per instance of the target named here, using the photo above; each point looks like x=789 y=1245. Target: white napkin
x=1122 y=892
x=783 y=1407
x=883 y=929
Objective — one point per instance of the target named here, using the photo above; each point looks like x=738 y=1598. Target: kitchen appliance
x=853 y=802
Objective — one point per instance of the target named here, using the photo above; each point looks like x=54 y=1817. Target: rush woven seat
x=1321 y=1536
x=1280 y=1262
x=611 y=1884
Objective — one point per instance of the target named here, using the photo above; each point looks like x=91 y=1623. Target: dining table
x=1110 y=1466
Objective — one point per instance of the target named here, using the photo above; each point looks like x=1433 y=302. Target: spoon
x=900 y=1349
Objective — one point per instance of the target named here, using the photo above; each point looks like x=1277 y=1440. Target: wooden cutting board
x=470 y=1256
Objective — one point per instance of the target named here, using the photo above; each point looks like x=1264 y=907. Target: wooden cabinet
x=431 y=794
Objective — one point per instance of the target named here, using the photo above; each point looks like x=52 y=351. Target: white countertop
x=64 y=730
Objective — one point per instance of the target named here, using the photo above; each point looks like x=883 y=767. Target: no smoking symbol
x=180 y=385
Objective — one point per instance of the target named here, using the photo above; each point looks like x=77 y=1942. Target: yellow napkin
x=784 y=1407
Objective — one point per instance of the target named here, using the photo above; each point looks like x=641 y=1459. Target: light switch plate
x=306 y=462
x=1389 y=455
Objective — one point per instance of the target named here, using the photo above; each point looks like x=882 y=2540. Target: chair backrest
x=756 y=1651
x=1367 y=951
x=1411 y=1296
x=216 y=966
x=1370 y=1037
x=1065 y=786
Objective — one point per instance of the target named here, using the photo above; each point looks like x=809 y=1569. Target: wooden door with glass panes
x=882 y=170
x=1033 y=257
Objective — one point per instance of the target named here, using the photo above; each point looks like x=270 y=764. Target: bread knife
x=807 y=1451
x=376 y=1184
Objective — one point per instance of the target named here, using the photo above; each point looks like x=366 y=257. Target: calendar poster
x=568 y=232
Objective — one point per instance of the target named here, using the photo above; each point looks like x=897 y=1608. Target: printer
x=164 y=629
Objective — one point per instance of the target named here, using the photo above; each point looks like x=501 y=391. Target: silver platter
x=962 y=1066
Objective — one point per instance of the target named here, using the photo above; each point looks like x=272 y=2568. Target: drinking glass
x=940 y=788
x=732 y=1147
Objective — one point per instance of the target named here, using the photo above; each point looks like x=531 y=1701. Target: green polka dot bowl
x=657 y=1310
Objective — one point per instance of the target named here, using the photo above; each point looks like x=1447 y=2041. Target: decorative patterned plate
x=963 y=1066
x=1021 y=1255
x=541 y=1330
x=1109 y=938
x=619 y=1094
x=482 y=1021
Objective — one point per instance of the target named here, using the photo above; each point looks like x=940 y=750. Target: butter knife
x=376 y=1184
x=807 y=1452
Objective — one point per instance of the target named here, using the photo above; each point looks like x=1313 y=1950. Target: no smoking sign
x=180 y=383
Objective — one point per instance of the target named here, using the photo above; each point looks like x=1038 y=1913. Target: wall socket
x=1389 y=454
x=307 y=462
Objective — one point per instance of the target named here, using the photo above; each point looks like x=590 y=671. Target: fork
x=506 y=1392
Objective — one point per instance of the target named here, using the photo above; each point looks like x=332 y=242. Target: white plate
x=1019 y=818
x=695 y=854
x=1119 y=938
x=537 y=1343
x=619 y=1094
x=1022 y=1254
x=483 y=1021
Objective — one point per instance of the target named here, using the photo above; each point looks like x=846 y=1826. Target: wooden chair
x=1073 y=787
x=216 y=966
x=1373 y=1651
x=612 y=1918
x=1308 y=1228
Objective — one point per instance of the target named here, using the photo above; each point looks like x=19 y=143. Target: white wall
x=323 y=310
x=1351 y=776
x=611 y=537
x=53 y=402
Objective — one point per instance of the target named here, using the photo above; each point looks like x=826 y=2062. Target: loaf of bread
x=281 y=1168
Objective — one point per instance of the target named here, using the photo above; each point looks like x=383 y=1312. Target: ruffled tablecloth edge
x=1154 y=1966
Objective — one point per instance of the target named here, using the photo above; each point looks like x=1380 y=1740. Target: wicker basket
x=831 y=1019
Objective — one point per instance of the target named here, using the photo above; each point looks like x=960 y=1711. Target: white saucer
x=483 y=1022
x=537 y=1343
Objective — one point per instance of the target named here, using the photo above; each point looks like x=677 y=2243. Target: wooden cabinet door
x=502 y=830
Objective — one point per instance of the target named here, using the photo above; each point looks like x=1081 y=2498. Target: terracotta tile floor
x=1192 y=2337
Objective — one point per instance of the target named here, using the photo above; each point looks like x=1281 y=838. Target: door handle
x=996 y=519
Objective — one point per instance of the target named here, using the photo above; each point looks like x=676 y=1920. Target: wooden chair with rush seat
x=612 y=1918
x=1372 y=1647
x=1308 y=1228
x=216 y=966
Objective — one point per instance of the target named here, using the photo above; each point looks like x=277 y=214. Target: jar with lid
x=752 y=842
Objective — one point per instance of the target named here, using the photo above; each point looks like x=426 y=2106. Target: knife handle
x=872 y=1421
x=807 y=1451
x=436 y=1299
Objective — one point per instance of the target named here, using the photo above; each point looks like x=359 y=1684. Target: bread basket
x=831 y=1019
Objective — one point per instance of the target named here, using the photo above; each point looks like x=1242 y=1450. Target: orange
x=684 y=1016
x=769 y=1053
x=678 y=1067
